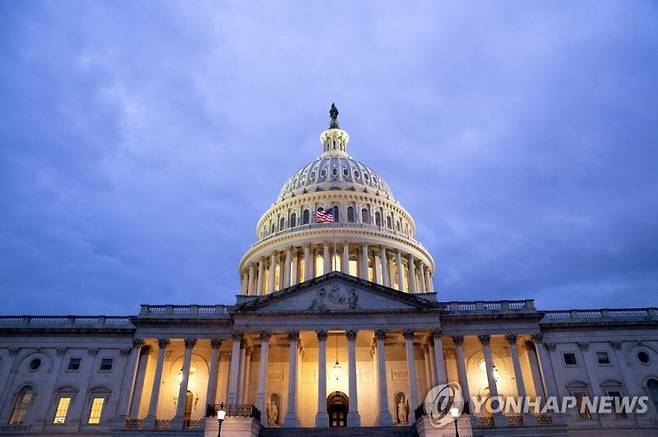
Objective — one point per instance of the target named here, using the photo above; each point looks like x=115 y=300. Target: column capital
x=458 y=340
x=61 y=351
x=485 y=339
x=248 y=351
x=237 y=335
x=125 y=351
x=549 y=346
x=146 y=349
x=583 y=345
x=189 y=343
x=616 y=345
x=351 y=334
x=92 y=351
x=380 y=334
x=436 y=333
x=215 y=343
x=163 y=343
x=408 y=334
x=511 y=339
x=538 y=337
x=293 y=335
x=322 y=335
x=138 y=342
x=265 y=335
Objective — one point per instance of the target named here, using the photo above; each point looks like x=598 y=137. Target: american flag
x=323 y=217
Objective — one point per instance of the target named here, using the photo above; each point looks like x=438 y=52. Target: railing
x=485 y=421
x=162 y=425
x=191 y=311
x=514 y=420
x=235 y=410
x=191 y=425
x=339 y=225
x=134 y=424
x=629 y=314
x=543 y=419
x=490 y=306
x=66 y=321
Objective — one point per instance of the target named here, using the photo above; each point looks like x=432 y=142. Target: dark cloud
x=140 y=144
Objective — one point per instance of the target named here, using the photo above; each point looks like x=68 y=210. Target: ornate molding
x=380 y=334
x=485 y=339
x=511 y=339
x=550 y=346
x=458 y=340
x=408 y=334
x=92 y=351
x=265 y=336
x=293 y=335
x=322 y=335
x=616 y=345
x=163 y=343
x=138 y=342
x=189 y=343
x=583 y=345
x=436 y=333
x=215 y=343
x=351 y=335
x=237 y=335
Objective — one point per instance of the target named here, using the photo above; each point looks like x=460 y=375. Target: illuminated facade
x=336 y=324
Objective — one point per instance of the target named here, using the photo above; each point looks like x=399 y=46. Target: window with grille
x=62 y=409
x=22 y=405
x=106 y=364
x=74 y=364
x=96 y=411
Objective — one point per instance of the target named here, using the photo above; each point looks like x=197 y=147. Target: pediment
x=336 y=292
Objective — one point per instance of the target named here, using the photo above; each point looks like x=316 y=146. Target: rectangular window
x=602 y=358
x=96 y=411
x=616 y=404
x=583 y=413
x=74 y=364
x=570 y=359
x=61 y=410
x=106 y=364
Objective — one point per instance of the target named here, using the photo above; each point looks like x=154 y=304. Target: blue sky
x=140 y=142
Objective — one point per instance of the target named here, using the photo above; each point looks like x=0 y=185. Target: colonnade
x=390 y=267
x=431 y=343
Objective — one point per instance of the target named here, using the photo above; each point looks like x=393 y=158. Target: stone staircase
x=386 y=431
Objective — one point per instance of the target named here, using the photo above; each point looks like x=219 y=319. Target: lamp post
x=454 y=413
x=220 y=418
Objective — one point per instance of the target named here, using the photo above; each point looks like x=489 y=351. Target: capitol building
x=337 y=329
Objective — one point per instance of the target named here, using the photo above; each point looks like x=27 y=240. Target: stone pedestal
x=232 y=427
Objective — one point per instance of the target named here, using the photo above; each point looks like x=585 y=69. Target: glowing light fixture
x=337 y=368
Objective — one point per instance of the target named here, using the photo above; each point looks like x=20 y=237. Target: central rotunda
x=370 y=235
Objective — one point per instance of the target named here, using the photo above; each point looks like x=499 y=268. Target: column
x=428 y=283
x=244 y=392
x=129 y=385
x=326 y=259
x=462 y=373
x=536 y=371
x=322 y=418
x=430 y=350
x=149 y=421
x=377 y=268
x=262 y=374
x=286 y=272
x=383 y=258
x=345 y=260
x=139 y=382
x=353 y=416
x=428 y=367
x=270 y=277
x=363 y=262
x=398 y=261
x=294 y=274
x=211 y=393
x=546 y=367
x=243 y=354
x=182 y=388
x=528 y=419
x=421 y=274
x=250 y=281
x=234 y=371
x=291 y=413
x=261 y=272
x=411 y=373
x=439 y=360
x=308 y=262
x=485 y=340
x=412 y=275
x=384 y=417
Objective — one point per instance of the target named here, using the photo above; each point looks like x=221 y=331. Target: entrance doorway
x=337 y=408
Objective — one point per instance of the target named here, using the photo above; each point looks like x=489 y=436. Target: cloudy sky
x=141 y=141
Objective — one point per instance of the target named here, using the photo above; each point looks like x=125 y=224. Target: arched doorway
x=337 y=408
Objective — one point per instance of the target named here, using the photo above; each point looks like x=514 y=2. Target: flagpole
x=333 y=258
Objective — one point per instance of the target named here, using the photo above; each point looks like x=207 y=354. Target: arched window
x=272 y=228
x=335 y=213
x=388 y=222
x=652 y=386
x=399 y=225
x=378 y=218
x=293 y=220
x=282 y=223
x=306 y=217
x=23 y=403
x=350 y=214
x=365 y=218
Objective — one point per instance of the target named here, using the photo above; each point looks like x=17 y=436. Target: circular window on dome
x=356 y=174
x=334 y=172
x=346 y=172
x=374 y=180
x=35 y=364
x=323 y=173
x=643 y=357
x=313 y=174
x=366 y=177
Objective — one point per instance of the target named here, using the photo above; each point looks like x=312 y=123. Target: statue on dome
x=333 y=113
